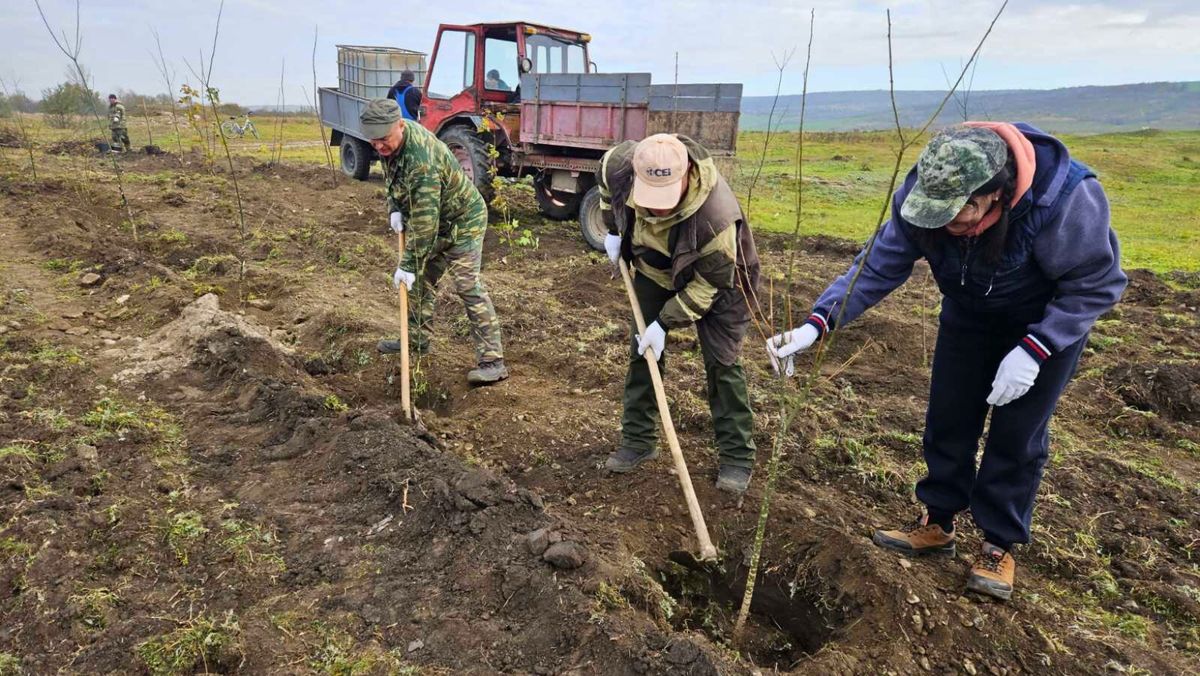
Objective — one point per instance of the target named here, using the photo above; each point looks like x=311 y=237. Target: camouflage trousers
x=459 y=257
x=120 y=138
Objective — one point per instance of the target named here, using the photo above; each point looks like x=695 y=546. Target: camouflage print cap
x=955 y=164
x=378 y=118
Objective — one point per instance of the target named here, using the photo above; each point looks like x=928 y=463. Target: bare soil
x=206 y=469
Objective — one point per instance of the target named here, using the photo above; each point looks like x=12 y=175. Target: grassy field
x=1152 y=179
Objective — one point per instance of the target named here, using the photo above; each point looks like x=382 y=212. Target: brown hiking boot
x=993 y=573
x=917 y=539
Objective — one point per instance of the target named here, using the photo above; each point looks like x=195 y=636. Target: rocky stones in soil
x=540 y=540
x=566 y=555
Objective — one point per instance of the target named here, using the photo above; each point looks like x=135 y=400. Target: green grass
x=1152 y=180
x=110 y=415
x=19 y=450
x=182 y=529
x=197 y=643
x=334 y=403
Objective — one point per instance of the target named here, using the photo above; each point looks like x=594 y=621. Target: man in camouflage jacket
x=444 y=219
x=673 y=217
x=116 y=124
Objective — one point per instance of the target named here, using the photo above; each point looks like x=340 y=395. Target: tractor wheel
x=591 y=222
x=471 y=152
x=555 y=204
x=356 y=158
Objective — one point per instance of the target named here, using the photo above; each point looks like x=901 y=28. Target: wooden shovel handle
x=707 y=550
x=405 y=375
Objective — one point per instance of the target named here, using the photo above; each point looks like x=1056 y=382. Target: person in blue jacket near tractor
x=405 y=93
x=1017 y=235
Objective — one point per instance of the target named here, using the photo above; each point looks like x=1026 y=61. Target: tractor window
x=552 y=55
x=453 y=65
x=499 y=64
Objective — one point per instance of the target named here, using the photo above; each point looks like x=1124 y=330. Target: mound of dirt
x=203 y=333
x=72 y=147
x=1170 y=390
x=9 y=138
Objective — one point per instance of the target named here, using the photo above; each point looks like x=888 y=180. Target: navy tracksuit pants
x=1001 y=491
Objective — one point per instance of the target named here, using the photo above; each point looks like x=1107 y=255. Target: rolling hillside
x=1157 y=105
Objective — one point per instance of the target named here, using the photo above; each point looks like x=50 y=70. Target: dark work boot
x=733 y=479
x=626 y=459
x=487 y=373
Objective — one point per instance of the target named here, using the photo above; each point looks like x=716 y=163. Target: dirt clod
x=1170 y=390
x=566 y=555
x=538 y=541
x=89 y=279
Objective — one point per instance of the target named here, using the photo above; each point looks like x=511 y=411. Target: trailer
x=524 y=99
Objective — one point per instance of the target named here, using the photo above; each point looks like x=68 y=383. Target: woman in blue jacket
x=1018 y=238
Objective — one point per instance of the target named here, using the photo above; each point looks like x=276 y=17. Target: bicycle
x=231 y=127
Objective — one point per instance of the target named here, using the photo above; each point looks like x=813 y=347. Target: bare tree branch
x=791 y=405
x=168 y=75
x=26 y=138
x=781 y=63
x=773 y=465
x=214 y=102
x=317 y=110
x=72 y=51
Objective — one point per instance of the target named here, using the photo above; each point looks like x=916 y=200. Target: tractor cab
x=478 y=67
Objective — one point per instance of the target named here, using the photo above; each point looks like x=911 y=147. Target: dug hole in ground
x=192 y=483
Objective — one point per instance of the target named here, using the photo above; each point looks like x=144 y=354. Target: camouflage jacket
x=427 y=185
x=704 y=251
x=116 y=115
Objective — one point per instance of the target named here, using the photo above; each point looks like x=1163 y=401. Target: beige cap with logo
x=660 y=163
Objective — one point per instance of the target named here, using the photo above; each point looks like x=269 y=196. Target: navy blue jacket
x=1060 y=269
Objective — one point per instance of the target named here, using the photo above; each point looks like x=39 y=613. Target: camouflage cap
x=955 y=164
x=378 y=118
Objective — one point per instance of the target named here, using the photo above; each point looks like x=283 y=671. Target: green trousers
x=460 y=260
x=728 y=401
x=120 y=138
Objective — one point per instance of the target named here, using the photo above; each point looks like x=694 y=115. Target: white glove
x=404 y=277
x=397 y=222
x=1015 y=376
x=612 y=247
x=655 y=339
x=783 y=347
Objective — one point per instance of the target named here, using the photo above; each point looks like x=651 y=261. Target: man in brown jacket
x=673 y=217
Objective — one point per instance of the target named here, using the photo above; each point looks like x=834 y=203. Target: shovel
x=405 y=375
x=707 y=551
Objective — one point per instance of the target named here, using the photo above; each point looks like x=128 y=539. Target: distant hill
x=1158 y=105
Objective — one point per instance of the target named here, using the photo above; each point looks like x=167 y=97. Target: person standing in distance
x=407 y=95
x=116 y=124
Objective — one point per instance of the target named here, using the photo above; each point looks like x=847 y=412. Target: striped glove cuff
x=1037 y=347
x=818 y=322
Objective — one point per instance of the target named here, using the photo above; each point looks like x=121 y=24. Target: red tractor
x=516 y=99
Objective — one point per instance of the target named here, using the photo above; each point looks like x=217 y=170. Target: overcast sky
x=1037 y=43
